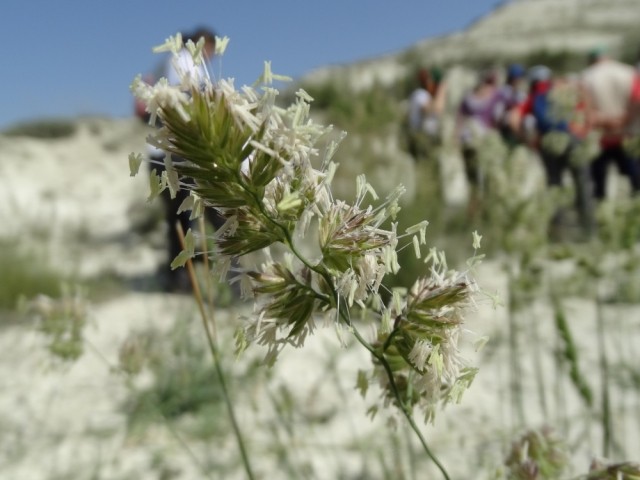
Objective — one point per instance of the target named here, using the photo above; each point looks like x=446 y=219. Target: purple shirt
x=486 y=110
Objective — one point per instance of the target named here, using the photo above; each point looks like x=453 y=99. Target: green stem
x=396 y=393
x=380 y=357
x=604 y=383
x=130 y=386
x=216 y=361
x=287 y=236
x=387 y=342
x=234 y=422
x=515 y=369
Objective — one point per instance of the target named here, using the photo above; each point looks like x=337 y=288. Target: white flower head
x=420 y=353
x=268 y=76
x=416 y=246
x=254 y=161
x=163 y=95
x=172 y=44
x=476 y=240
x=135 y=160
x=195 y=49
x=304 y=96
x=419 y=227
x=221 y=45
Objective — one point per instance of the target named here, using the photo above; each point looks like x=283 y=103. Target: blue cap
x=515 y=70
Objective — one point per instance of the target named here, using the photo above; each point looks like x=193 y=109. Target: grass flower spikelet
x=239 y=152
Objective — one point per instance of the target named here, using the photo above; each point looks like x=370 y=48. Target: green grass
x=25 y=274
x=367 y=111
x=48 y=129
x=185 y=383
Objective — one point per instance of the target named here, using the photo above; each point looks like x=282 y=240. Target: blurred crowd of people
x=577 y=123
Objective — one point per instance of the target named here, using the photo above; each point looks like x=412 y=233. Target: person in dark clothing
x=177 y=280
x=559 y=138
x=627 y=166
x=609 y=86
x=511 y=97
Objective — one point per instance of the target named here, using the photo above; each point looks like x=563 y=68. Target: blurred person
x=477 y=115
x=173 y=66
x=609 y=86
x=426 y=105
x=632 y=119
x=512 y=95
x=555 y=105
x=438 y=89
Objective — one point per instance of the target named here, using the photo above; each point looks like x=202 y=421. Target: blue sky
x=78 y=57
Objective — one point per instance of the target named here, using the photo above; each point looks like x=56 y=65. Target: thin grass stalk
x=607 y=431
x=539 y=369
x=626 y=355
x=570 y=353
x=413 y=461
x=383 y=466
x=401 y=404
x=331 y=367
x=397 y=453
x=406 y=412
x=278 y=444
x=216 y=360
x=284 y=451
x=503 y=379
x=622 y=409
x=505 y=432
x=517 y=404
x=165 y=421
x=621 y=428
x=632 y=348
x=380 y=357
x=208 y=281
x=560 y=396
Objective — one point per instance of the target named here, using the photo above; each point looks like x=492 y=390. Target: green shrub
x=558 y=61
x=373 y=109
x=25 y=274
x=185 y=382
x=43 y=129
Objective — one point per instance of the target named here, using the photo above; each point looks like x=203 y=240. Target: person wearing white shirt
x=174 y=69
x=425 y=106
x=608 y=86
